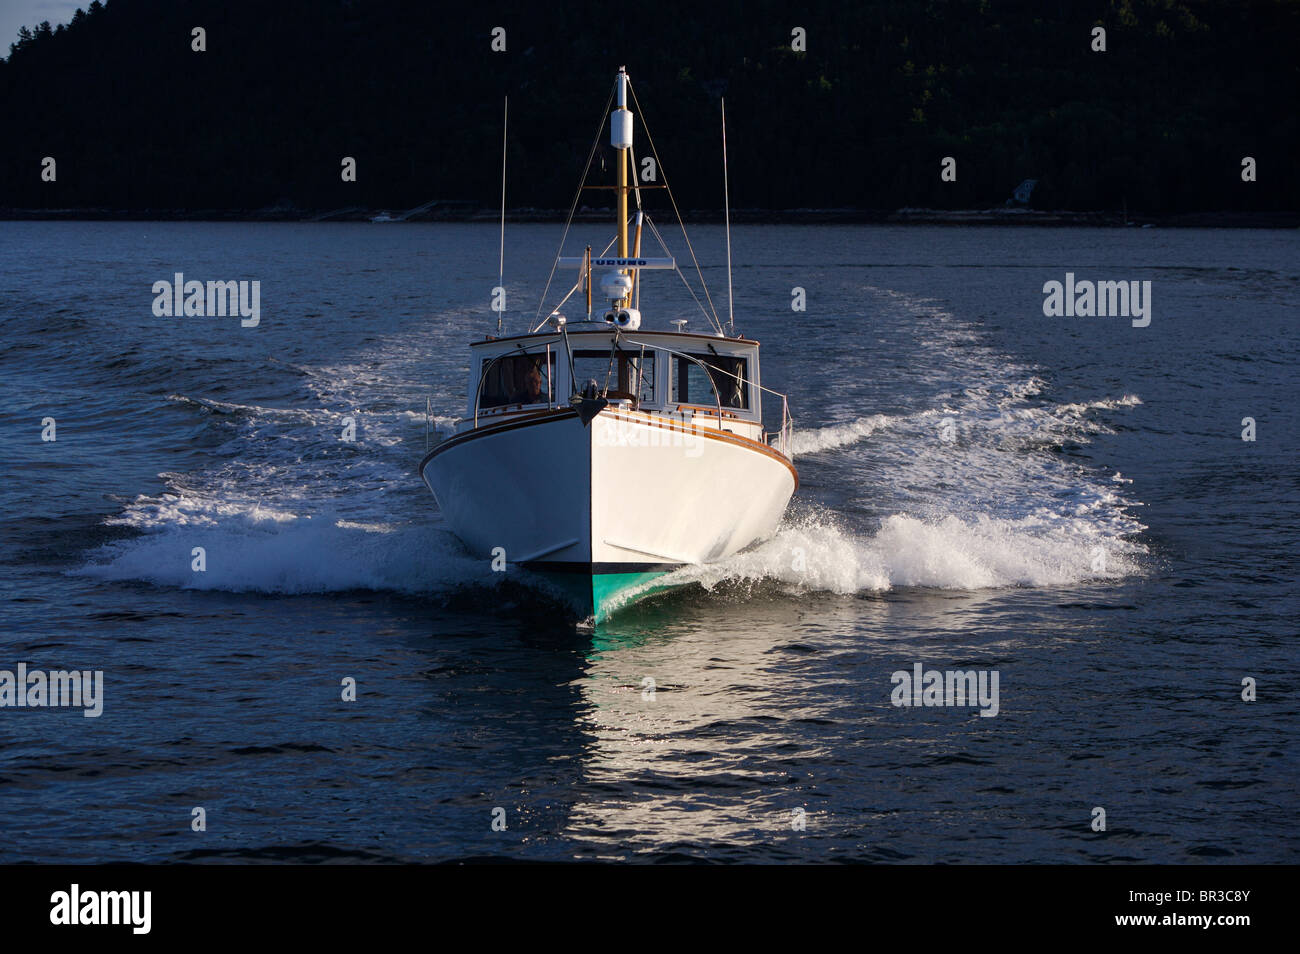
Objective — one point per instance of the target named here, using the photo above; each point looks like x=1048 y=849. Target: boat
x=600 y=455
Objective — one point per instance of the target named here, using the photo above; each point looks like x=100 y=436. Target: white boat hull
x=611 y=504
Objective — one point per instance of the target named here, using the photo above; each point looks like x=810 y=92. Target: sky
x=17 y=13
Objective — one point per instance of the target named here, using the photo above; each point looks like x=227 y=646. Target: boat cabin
x=710 y=380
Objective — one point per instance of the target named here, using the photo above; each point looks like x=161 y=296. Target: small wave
x=226 y=407
x=839 y=435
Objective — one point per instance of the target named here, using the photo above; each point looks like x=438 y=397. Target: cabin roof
x=606 y=330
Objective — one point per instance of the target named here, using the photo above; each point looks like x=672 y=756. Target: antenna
x=726 y=205
x=501 y=261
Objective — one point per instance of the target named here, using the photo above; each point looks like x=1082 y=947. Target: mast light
x=620 y=122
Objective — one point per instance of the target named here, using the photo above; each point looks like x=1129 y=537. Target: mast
x=726 y=204
x=620 y=137
x=636 y=253
x=586 y=278
x=501 y=261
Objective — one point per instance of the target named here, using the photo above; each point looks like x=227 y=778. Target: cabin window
x=727 y=377
x=631 y=374
x=518 y=379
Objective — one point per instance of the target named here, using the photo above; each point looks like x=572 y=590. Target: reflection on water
x=694 y=717
x=709 y=719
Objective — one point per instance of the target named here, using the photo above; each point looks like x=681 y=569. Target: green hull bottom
x=599 y=595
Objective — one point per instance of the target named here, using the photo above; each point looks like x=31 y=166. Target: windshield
x=631 y=374
x=518 y=379
x=727 y=378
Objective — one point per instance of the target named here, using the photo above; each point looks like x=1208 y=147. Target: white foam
x=943 y=553
x=837 y=435
x=265 y=550
x=228 y=407
x=288 y=506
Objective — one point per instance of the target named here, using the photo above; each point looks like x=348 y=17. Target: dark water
x=1095 y=530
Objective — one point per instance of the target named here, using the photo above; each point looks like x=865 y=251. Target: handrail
x=782 y=439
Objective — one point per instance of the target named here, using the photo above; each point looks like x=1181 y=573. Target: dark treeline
x=1011 y=88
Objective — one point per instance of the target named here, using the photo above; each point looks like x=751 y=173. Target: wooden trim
x=511 y=420
x=499 y=409
x=704 y=409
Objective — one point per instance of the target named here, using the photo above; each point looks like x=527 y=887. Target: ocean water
x=1067 y=502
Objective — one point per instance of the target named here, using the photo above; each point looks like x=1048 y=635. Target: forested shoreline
x=258 y=123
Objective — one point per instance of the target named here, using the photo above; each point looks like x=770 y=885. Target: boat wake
x=812 y=554
x=983 y=484
x=1003 y=508
x=248 y=547
x=288 y=506
x=987 y=486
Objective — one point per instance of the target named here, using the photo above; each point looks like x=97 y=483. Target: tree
x=23 y=42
